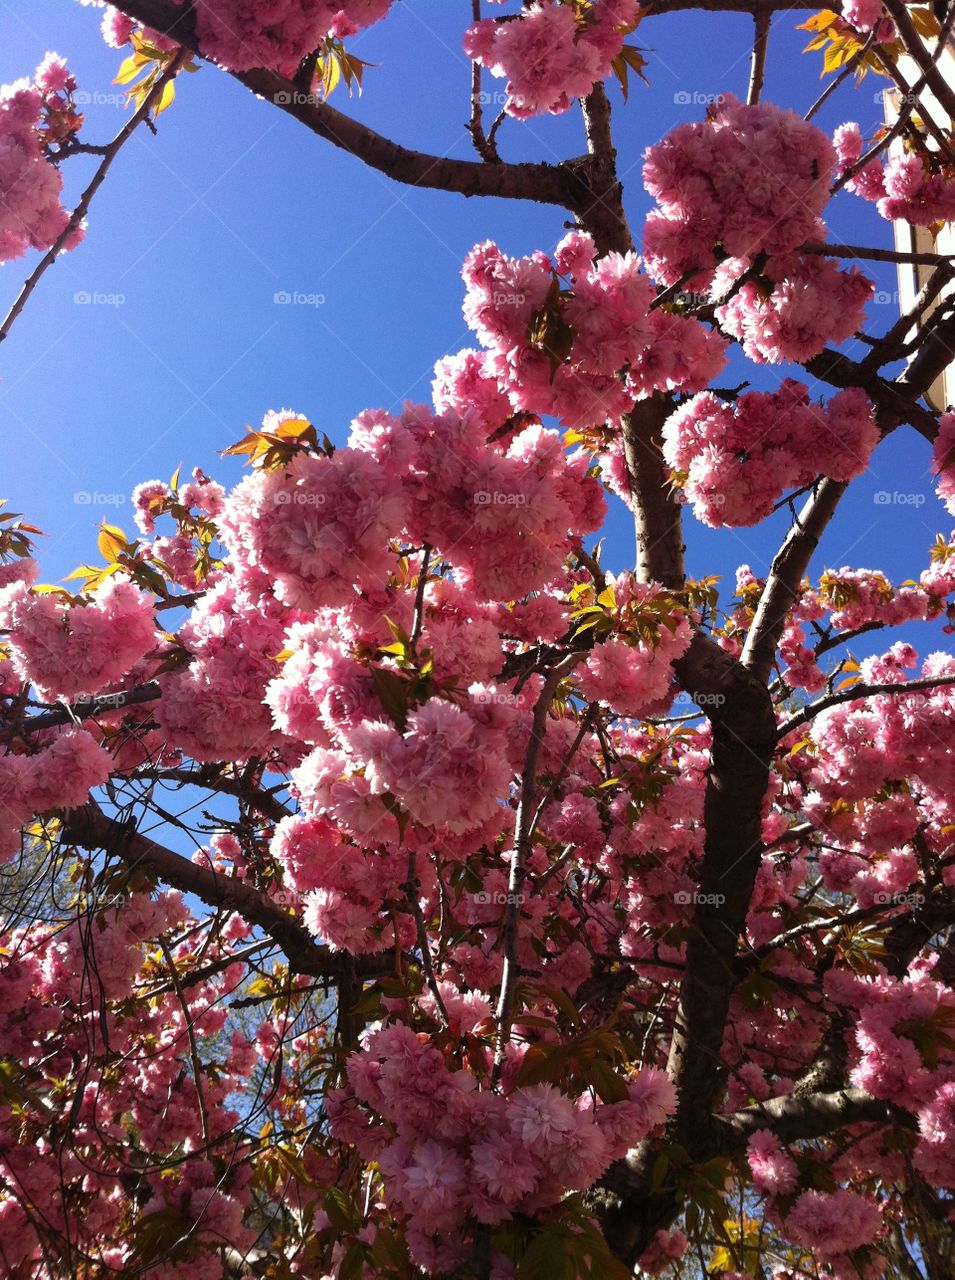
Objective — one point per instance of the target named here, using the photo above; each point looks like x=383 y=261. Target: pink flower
x=774 y=1171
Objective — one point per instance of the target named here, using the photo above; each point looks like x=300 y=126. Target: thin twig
x=193 y=1047
x=843 y=75
x=876 y=255
x=757 y=69
x=509 y=934
x=419 y=598
x=79 y=213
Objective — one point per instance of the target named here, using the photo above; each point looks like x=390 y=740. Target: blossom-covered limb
x=110 y=153
x=90 y=828
x=545 y=183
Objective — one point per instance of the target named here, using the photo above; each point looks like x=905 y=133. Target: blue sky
x=198 y=228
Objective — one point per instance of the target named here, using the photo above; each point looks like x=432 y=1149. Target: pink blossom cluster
x=241 y=36
x=80 y=647
x=734 y=459
x=830 y=1223
x=812 y=302
x=448 y=770
x=212 y=703
x=548 y=54
x=905 y=187
x=748 y=180
x=893 y=735
x=33 y=115
x=773 y=1170
x=343 y=890
x=738 y=195
x=631 y=671
x=521 y=308
x=863 y=14
x=449 y=1150
x=58 y=776
x=943 y=460
x=833 y=1222
x=48 y=1008
x=896 y=1021
x=504 y=516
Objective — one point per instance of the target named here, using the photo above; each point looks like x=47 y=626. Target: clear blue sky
x=198 y=228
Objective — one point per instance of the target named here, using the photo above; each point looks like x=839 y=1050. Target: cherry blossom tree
x=537 y=920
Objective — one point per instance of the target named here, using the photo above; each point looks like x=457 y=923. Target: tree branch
x=814 y=1115
x=544 y=183
x=87 y=708
x=90 y=828
x=857 y=694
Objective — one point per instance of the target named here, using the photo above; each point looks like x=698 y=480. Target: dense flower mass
x=811 y=303
x=34 y=117
x=737 y=196
x=449 y=1150
x=68 y=649
x=749 y=180
x=734 y=459
x=507 y=882
x=240 y=35
x=907 y=186
x=550 y=53
x=573 y=336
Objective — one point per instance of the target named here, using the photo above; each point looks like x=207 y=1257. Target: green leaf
x=545 y=1259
